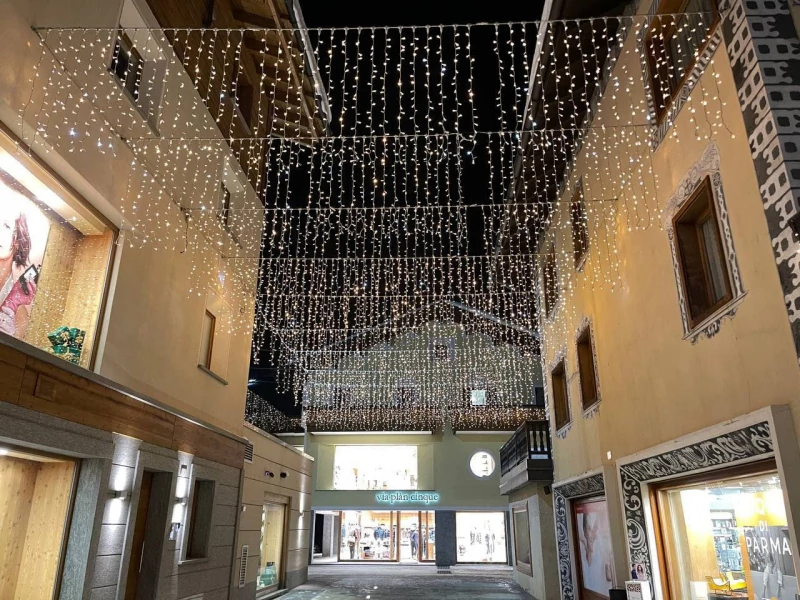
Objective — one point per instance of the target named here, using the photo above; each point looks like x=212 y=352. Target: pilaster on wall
x=764 y=51
x=446 y=543
x=116 y=512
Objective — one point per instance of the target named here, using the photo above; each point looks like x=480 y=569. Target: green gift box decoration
x=67 y=342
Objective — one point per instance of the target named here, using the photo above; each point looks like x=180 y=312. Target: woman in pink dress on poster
x=18 y=276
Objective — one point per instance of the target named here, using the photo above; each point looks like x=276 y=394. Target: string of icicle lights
x=355 y=183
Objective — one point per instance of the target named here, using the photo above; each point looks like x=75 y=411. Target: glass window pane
x=53 y=260
x=272 y=529
x=375 y=468
x=206 y=340
x=428 y=541
x=368 y=535
x=409 y=536
x=714 y=257
x=481 y=537
x=728 y=538
x=482 y=464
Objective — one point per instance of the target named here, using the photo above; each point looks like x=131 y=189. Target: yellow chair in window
x=736 y=581
x=718 y=585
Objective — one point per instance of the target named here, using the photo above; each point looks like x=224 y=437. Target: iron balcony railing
x=530 y=442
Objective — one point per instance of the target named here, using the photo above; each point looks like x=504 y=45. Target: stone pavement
x=400 y=582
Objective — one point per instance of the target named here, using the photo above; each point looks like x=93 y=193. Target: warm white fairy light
x=357 y=234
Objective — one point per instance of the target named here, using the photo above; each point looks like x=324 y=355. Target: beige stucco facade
x=656 y=385
x=443 y=467
x=150 y=335
x=293 y=491
x=673 y=396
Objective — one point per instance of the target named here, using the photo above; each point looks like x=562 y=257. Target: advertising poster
x=763 y=520
x=594 y=540
x=23 y=238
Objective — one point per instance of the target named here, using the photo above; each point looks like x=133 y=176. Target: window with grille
x=127 y=64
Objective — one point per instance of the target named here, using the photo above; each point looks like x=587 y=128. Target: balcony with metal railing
x=527 y=457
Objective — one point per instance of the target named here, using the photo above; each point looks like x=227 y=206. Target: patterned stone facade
x=764 y=51
x=588 y=486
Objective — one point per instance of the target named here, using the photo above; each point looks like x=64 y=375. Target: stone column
x=328 y=534
x=446 y=551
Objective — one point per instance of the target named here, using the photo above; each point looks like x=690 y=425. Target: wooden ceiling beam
x=267 y=22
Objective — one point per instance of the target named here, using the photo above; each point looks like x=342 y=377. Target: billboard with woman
x=23 y=238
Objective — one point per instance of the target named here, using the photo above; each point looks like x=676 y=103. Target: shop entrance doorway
x=273 y=532
x=387 y=536
x=409 y=537
x=139 y=530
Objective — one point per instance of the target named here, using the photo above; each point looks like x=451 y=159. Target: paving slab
x=399 y=582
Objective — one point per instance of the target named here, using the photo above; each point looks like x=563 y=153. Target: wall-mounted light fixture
x=269 y=474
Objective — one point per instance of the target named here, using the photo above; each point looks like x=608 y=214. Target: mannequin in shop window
x=381 y=533
x=414 y=538
x=17 y=287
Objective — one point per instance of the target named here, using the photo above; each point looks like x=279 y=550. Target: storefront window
x=54 y=258
x=368 y=535
x=272 y=528
x=481 y=537
x=727 y=538
x=375 y=468
x=383 y=535
x=35 y=495
x=593 y=544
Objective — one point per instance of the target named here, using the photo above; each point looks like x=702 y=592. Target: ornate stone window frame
x=559 y=356
x=750 y=438
x=586 y=323
x=659 y=130
x=564 y=493
x=707 y=166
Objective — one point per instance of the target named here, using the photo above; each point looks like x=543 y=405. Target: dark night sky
x=327 y=13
